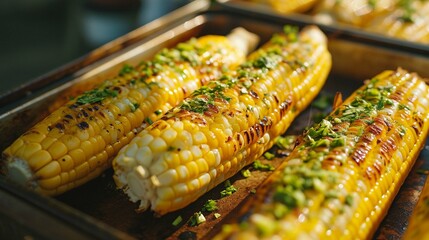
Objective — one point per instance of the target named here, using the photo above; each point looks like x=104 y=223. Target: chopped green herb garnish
x=349 y=200
x=158 y=112
x=402 y=106
x=286 y=142
x=280 y=210
x=171 y=148
x=269 y=156
x=206 y=96
x=96 y=95
x=338 y=142
x=278 y=39
x=217 y=215
x=258 y=165
x=229 y=189
x=291 y=32
x=265 y=62
x=126 y=69
x=408 y=10
x=210 y=206
x=196 y=219
x=134 y=106
x=148 y=121
x=246 y=173
x=177 y=221
x=402 y=131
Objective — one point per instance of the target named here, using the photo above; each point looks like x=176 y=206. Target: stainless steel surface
x=98 y=203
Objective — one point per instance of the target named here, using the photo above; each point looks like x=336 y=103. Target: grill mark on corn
x=285 y=106
x=253 y=94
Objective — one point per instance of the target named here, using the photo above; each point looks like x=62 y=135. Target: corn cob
x=340 y=179
x=225 y=126
x=419 y=222
x=354 y=12
x=407 y=22
x=77 y=142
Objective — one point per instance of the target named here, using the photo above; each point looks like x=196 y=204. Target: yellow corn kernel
x=49 y=170
x=50 y=183
x=66 y=163
x=39 y=159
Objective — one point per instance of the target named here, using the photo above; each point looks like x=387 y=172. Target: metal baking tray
x=98 y=211
x=265 y=8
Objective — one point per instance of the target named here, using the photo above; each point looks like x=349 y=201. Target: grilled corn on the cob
x=76 y=142
x=225 y=126
x=341 y=178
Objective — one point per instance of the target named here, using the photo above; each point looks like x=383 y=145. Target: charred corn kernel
x=331 y=189
x=227 y=124
x=83 y=135
x=292 y=6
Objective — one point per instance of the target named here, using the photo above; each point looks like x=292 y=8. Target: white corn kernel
x=199 y=138
x=168 y=177
x=182 y=172
x=165 y=193
x=145 y=139
x=131 y=150
x=141 y=172
x=135 y=185
x=180 y=189
x=204 y=179
x=144 y=156
x=158 y=167
x=178 y=125
x=196 y=152
x=185 y=156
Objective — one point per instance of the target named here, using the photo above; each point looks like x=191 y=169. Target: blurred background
x=39 y=36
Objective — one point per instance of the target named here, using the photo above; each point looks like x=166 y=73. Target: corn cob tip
x=314 y=33
x=18 y=170
x=243 y=39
